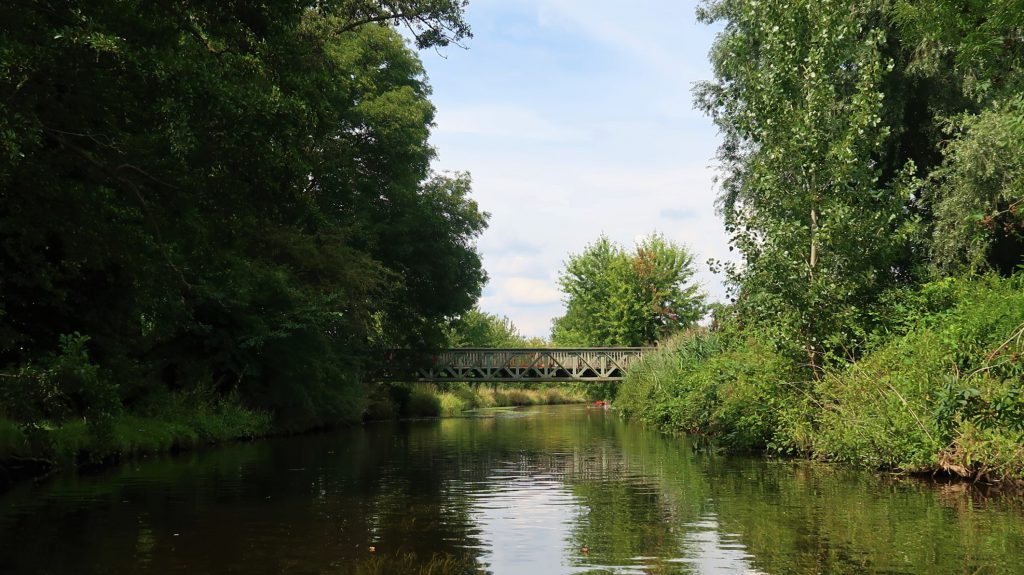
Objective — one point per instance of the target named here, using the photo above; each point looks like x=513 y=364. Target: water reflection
x=546 y=491
x=523 y=525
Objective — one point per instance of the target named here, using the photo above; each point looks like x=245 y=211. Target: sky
x=576 y=118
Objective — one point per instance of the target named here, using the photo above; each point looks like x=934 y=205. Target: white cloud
x=507 y=121
x=528 y=291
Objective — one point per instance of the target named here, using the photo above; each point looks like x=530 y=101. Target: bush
x=946 y=395
x=66 y=385
x=734 y=389
x=382 y=404
x=12 y=439
x=423 y=402
x=453 y=404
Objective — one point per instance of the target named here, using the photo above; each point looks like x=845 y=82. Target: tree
x=228 y=194
x=477 y=328
x=977 y=194
x=620 y=298
x=798 y=96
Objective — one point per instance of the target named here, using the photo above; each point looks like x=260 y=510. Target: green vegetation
x=873 y=185
x=410 y=564
x=213 y=214
x=620 y=298
x=429 y=400
x=477 y=328
x=945 y=394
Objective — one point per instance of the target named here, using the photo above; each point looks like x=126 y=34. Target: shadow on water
x=536 y=491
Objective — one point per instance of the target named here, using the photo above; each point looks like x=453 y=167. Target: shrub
x=946 y=395
x=423 y=402
x=12 y=439
x=452 y=404
x=381 y=404
x=700 y=382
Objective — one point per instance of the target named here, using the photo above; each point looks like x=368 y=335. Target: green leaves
x=234 y=195
x=624 y=298
x=477 y=328
x=798 y=96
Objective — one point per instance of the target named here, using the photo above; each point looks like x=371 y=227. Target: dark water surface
x=535 y=492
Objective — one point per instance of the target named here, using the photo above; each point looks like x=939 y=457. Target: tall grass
x=175 y=422
x=948 y=394
x=427 y=400
x=944 y=391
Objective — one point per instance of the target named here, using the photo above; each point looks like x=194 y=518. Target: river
x=536 y=491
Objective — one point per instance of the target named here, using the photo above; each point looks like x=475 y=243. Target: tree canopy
x=225 y=194
x=869 y=146
x=477 y=328
x=616 y=297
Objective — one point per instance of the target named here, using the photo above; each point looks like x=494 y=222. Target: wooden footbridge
x=591 y=364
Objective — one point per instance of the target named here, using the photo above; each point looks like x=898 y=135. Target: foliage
x=423 y=401
x=734 y=389
x=943 y=394
x=64 y=386
x=872 y=151
x=620 y=298
x=799 y=98
x=12 y=439
x=226 y=196
x=979 y=191
x=477 y=328
x=979 y=41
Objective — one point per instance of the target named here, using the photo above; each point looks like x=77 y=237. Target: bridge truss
x=525 y=365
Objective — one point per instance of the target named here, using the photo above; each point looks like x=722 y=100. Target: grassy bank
x=940 y=389
x=428 y=400
x=180 y=422
x=31 y=447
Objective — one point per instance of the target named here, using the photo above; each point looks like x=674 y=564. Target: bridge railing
x=517 y=364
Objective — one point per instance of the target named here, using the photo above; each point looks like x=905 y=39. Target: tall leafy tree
x=620 y=298
x=230 y=193
x=798 y=96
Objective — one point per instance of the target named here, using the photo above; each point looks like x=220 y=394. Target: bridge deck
x=526 y=365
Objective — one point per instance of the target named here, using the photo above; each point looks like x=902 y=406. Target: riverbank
x=939 y=390
x=184 y=422
x=38 y=448
x=427 y=400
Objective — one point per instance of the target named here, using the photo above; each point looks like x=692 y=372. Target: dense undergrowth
x=940 y=387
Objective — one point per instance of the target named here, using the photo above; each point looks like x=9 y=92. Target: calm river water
x=533 y=492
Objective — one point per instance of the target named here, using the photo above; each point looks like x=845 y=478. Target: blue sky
x=576 y=118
